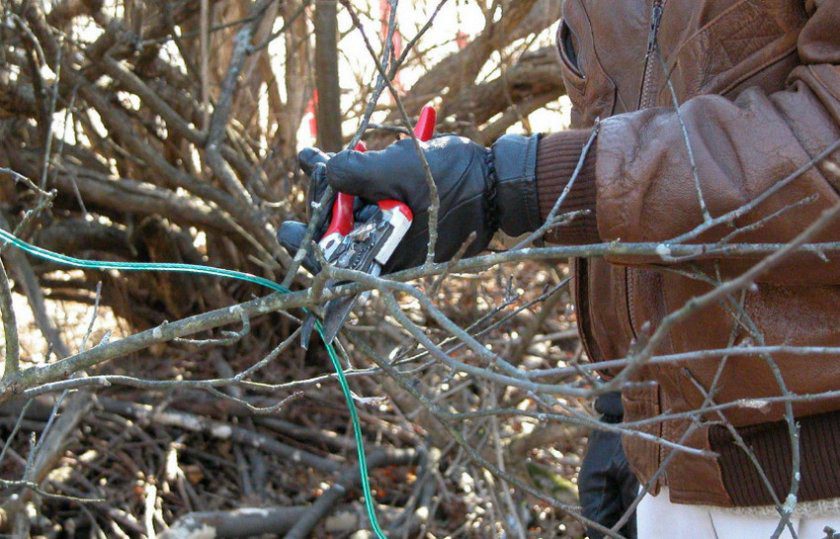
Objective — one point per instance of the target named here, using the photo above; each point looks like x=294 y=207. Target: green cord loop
x=65 y=260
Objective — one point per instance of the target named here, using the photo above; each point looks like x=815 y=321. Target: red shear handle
x=424 y=130
x=342 y=215
x=342 y=210
x=388 y=205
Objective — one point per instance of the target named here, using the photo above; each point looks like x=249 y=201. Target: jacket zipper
x=646 y=100
x=650 y=63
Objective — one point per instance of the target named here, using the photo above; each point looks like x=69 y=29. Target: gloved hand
x=480 y=189
x=312 y=162
x=606 y=485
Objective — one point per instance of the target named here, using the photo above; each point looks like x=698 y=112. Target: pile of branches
x=145 y=119
x=276 y=455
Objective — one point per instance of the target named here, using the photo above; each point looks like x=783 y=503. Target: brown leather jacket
x=758 y=84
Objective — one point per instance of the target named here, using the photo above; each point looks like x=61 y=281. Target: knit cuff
x=557 y=159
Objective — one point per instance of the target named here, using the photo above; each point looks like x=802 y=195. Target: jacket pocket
x=644 y=456
x=569 y=45
x=590 y=90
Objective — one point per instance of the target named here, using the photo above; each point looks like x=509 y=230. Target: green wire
x=59 y=258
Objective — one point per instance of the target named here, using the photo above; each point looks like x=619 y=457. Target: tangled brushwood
x=168 y=132
x=147 y=404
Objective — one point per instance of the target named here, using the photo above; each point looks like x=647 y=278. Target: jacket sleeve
x=644 y=185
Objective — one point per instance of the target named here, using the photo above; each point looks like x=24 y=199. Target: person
x=757 y=92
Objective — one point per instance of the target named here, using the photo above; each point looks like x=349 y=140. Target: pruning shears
x=365 y=246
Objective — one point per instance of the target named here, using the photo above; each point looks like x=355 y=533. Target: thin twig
x=7 y=309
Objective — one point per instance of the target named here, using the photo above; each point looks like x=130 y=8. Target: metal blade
x=335 y=314
x=306 y=331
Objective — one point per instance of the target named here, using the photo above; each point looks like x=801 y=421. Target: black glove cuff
x=515 y=163
x=610 y=407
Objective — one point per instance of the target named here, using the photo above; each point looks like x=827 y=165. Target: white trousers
x=657 y=518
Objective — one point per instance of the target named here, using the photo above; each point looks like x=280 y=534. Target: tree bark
x=326 y=76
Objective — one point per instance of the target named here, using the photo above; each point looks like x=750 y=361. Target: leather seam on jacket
x=813 y=71
x=759 y=69
x=706 y=28
x=590 y=346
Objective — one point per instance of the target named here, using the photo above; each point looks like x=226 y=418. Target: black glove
x=313 y=163
x=606 y=484
x=480 y=190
